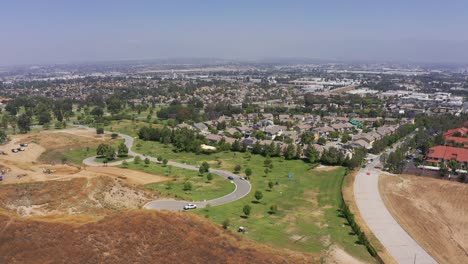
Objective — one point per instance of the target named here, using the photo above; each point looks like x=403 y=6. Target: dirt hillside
x=131 y=237
x=95 y=196
x=432 y=211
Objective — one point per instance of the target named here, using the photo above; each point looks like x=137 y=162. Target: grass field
x=307 y=219
x=201 y=188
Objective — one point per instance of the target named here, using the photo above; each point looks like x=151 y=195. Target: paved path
x=242 y=188
x=393 y=237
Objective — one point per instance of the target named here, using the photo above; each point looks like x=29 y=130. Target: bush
x=114 y=135
x=209 y=177
x=188 y=186
x=273 y=209
x=258 y=195
x=237 y=168
x=226 y=223
x=137 y=160
x=247 y=210
x=99 y=130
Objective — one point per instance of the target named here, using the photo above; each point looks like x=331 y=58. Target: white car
x=190 y=206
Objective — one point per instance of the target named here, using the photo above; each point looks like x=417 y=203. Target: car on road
x=230 y=178
x=190 y=206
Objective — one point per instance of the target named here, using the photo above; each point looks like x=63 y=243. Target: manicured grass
x=201 y=188
x=308 y=217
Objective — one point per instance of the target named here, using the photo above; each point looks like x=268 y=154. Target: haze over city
x=234 y=132
x=64 y=32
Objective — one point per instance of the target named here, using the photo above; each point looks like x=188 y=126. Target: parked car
x=230 y=178
x=190 y=206
x=14 y=150
x=24 y=144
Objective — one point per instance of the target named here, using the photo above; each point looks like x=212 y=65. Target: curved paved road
x=393 y=237
x=242 y=188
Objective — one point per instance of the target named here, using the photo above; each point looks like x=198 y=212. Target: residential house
x=200 y=126
x=444 y=154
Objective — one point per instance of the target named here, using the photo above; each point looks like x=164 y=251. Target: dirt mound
x=432 y=211
x=96 y=196
x=131 y=237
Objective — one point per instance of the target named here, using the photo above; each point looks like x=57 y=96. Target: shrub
x=247 y=210
x=237 y=168
x=99 y=130
x=226 y=223
x=137 y=160
x=188 y=186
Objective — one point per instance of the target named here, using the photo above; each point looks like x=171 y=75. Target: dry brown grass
x=132 y=237
x=93 y=196
x=432 y=211
x=348 y=196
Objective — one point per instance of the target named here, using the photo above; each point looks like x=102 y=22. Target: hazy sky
x=96 y=30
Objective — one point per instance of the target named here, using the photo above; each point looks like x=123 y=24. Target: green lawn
x=201 y=188
x=307 y=219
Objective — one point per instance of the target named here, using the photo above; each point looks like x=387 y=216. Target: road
x=242 y=188
x=393 y=237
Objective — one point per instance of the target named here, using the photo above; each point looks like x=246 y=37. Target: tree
x=3 y=136
x=345 y=138
x=205 y=166
x=24 y=123
x=97 y=111
x=271 y=185
x=165 y=161
x=267 y=162
x=147 y=161
x=99 y=130
x=137 y=160
x=102 y=149
x=110 y=153
x=122 y=150
x=322 y=141
x=247 y=210
x=258 y=195
x=44 y=117
x=160 y=158
x=237 y=168
x=248 y=172
x=188 y=186
x=312 y=154
x=290 y=152
x=209 y=177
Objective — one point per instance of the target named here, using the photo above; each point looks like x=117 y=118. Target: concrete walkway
x=393 y=237
x=242 y=188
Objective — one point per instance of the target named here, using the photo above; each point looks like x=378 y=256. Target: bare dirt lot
x=432 y=211
x=31 y=165
x=95 y=196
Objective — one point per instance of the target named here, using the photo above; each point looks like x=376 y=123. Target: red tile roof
x=462 y=130
x=448 y=153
